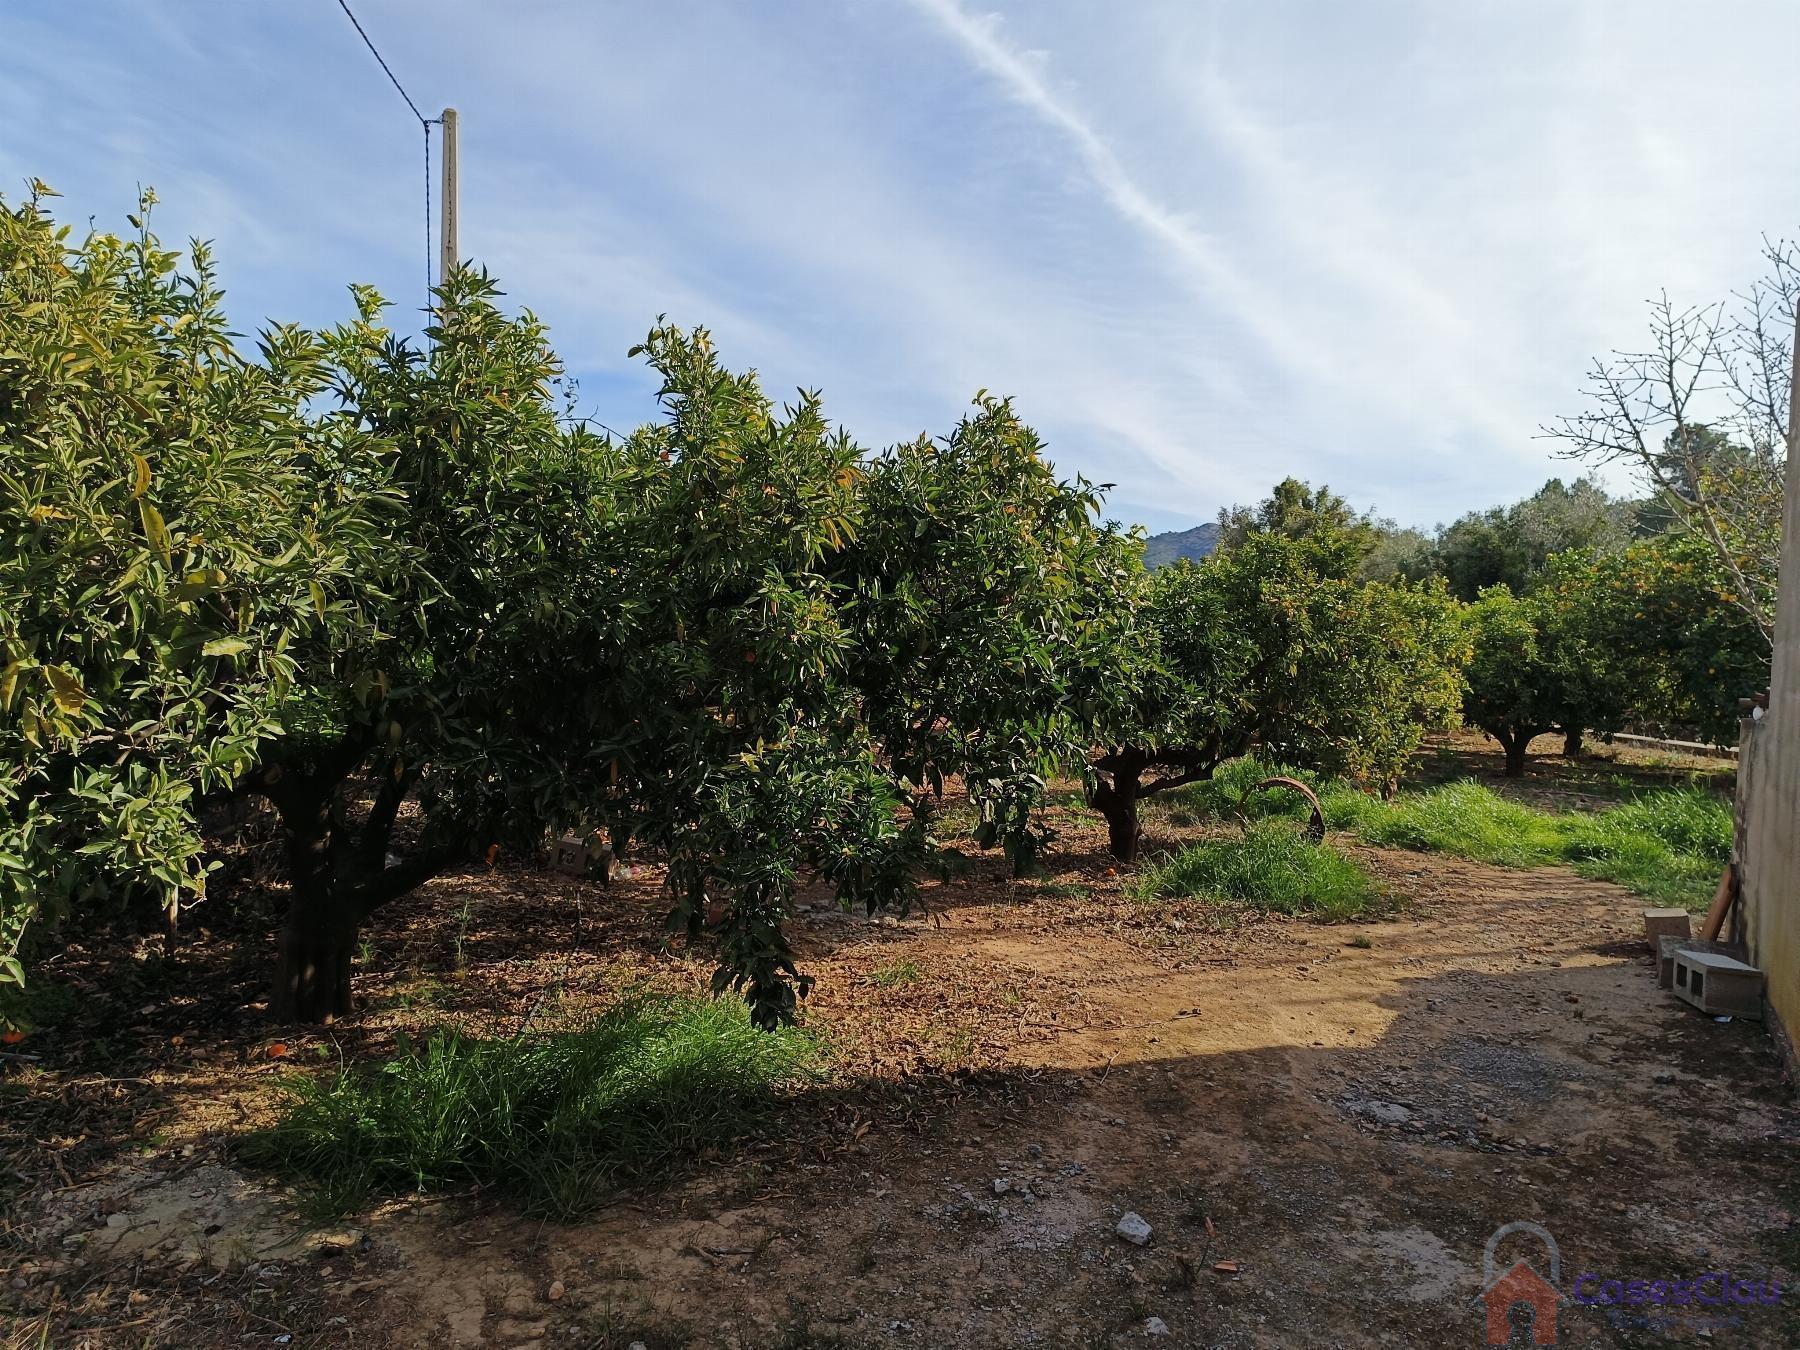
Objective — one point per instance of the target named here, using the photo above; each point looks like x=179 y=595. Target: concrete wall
x=1769 y=777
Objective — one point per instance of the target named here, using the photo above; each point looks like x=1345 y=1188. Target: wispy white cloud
x=1202 y=265
x=1203 y=245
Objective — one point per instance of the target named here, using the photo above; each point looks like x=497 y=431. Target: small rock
x=1383 y=1113
x=1155 y=1326
x=1665 y=1078
x=1001 y=1185
x=1133 y=1229
x=637 y=1345
x=555 y=1291
x=1035 y=1150
x=117 y=1221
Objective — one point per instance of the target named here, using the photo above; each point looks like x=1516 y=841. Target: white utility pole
x=448 y=257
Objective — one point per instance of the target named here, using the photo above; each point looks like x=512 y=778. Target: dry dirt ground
x=1321 y=1126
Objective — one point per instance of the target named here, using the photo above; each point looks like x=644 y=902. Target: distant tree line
x=1587 y=612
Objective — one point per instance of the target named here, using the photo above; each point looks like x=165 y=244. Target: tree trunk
x=1515 y=754
x=1118 y=802
x=312 y=968
x=318 y=940
x=1572 y=742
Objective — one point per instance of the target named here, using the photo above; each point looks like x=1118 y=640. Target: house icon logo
x=1501 y=1292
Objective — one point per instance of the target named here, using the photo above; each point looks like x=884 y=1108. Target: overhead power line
x=392 y=78
x=426 y=123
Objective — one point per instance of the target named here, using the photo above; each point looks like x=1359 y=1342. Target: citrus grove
x=396 y=594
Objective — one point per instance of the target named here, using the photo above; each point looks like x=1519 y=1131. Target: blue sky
x=1204 y=245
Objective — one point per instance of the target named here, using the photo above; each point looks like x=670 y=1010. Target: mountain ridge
x=1197 y=543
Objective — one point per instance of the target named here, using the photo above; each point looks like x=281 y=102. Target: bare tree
x=1702 y=418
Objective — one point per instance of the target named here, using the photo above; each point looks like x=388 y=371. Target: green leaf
x=225 y=646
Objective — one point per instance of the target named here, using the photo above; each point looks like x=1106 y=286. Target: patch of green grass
x=955 y=1045
x=559 y=1120
x=1063 y=890
x=1667 y=845
x=897 y=972
x=1274 y=868
x=1464 y=819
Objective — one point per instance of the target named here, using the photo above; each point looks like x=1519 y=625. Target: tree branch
x=393 y=882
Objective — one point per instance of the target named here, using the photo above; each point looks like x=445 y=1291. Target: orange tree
x=977 y=584
x=1512 y=693
x=738 y=735
x=1649 y=633
x=1672 y=607
x=176 y=530
x=1597 y=671
x=636 y=635
x=462 y=695
x=1562 y=657
x=355 y=572
x=1273 y=645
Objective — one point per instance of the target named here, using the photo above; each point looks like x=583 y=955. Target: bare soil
x=1321 y=1125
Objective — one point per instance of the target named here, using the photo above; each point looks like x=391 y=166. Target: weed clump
x=559 y=1119
x=1273 y=868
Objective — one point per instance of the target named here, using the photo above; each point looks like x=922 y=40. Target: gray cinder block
x=1666 y=947
x=1718 y=984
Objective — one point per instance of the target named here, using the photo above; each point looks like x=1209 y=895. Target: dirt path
x=1320 y=1125
x=1343 y=1125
